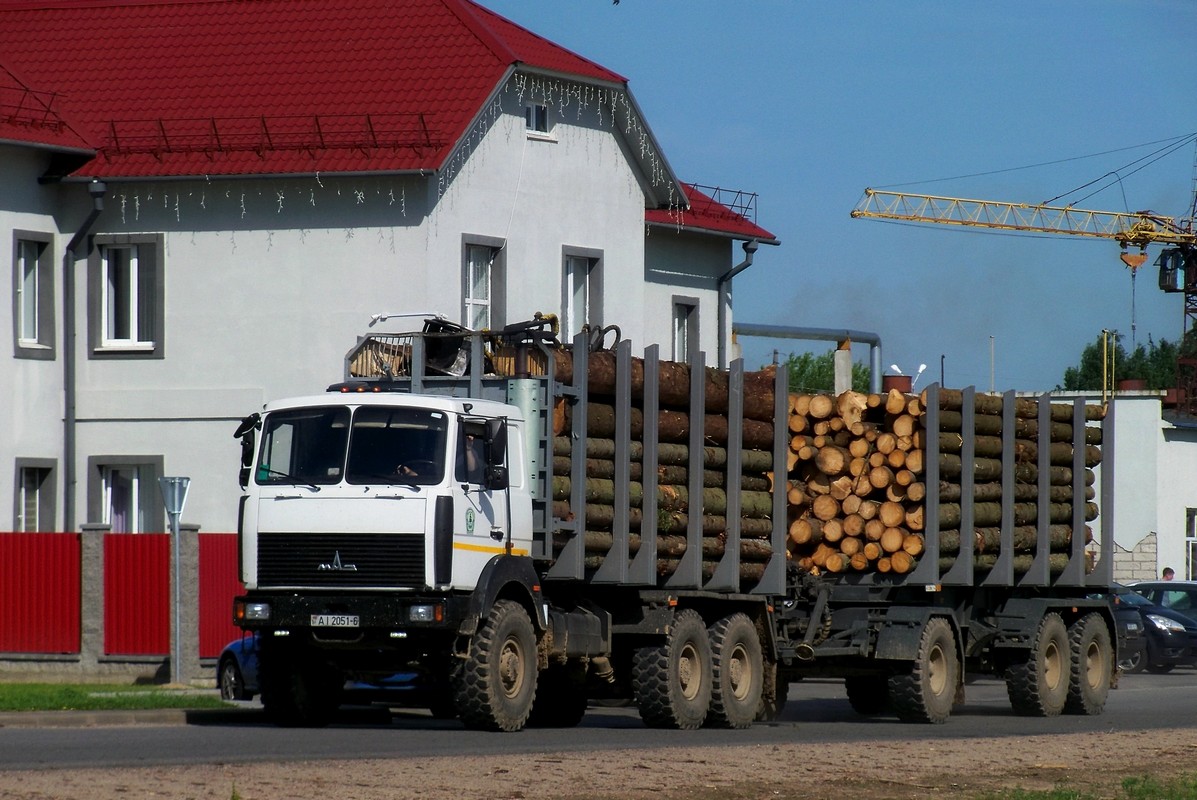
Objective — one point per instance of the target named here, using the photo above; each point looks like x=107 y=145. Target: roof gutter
x=97 y=190
x=724 y=287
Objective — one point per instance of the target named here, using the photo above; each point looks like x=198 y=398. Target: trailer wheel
x=560 y=697
x=867 y=694
x=737 y=672
x=495 y=685
x=671 y=683
x=298 y=694
x=1038 y=686
x=1092 y=665
x=926 y=692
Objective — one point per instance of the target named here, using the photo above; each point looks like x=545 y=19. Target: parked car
x=1180 y=596
x=237 y=678
x=1169 y=637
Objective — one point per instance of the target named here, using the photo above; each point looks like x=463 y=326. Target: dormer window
x=536 y=118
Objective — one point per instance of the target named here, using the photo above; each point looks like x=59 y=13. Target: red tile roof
x=708 y=215
x=31 y=117
x=245 y=87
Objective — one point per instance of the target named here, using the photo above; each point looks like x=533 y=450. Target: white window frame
x=34 y=507
x=138 y=298
x=581 y=290
x=486 y=253
x=33 y=295
x=1190 y=544
x=685 y=328
x=536 y=119
x=477 y=294
x=145 y=512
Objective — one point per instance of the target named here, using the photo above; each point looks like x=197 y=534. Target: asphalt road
x=816 y=712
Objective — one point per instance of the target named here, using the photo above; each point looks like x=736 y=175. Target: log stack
x=752 y=483
x=857 y=498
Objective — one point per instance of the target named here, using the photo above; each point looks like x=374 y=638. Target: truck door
x=480 y=514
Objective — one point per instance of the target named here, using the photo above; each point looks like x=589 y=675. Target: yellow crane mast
x=1177 y=263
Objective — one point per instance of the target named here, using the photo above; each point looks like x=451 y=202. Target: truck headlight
x=431 y=612
x=253 y=611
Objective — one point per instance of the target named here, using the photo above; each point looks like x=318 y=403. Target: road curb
x=97 y=719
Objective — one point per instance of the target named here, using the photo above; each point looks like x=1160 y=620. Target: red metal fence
x=39 y=593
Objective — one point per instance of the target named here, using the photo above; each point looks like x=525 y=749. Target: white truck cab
x=383 y=491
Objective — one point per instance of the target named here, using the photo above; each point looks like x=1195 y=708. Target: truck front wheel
x=1038 y=685
x=672 y=682
x=1092 y=665
x=737 y=672
x=495 y=684
x=927 y=691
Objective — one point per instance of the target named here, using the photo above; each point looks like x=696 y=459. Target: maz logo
x=336 y=565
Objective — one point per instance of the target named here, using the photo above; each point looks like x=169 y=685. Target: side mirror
x=496 y=478
x=496 y=438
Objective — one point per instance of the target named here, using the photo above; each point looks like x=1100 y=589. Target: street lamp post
x=174 y=495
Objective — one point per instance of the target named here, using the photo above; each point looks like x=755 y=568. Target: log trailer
x=530 y=527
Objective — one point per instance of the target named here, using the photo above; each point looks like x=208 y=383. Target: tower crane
x=1133 y=231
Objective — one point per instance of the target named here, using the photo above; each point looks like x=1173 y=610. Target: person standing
x=1168 y=574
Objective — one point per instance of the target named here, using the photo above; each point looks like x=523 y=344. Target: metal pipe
x=97 y=190
x=750 y=248
x=822 y=335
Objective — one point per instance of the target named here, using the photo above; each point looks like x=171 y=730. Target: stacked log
x=753 y=484
x=857 y=500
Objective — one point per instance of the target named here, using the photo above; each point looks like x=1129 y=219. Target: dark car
x=1180 y=596
x=1169 y=637
x=237 y=678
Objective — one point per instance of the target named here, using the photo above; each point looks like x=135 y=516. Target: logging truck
x=529 y=527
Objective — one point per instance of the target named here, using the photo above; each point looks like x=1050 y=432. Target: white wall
x=1176 y=497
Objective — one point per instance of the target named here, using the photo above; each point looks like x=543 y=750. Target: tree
x=1153 y=363
x=816 y=373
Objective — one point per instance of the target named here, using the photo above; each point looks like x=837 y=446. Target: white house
x=208 y=199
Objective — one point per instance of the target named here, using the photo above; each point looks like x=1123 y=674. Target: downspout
x=750 y=247
x=97 y=190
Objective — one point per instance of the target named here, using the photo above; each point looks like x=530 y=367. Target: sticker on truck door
x=469 y=520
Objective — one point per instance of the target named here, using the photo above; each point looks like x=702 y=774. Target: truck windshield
x=397 y=445
x=303 y=446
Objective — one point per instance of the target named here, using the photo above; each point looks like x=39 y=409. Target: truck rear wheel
x=495 y=685
x=1092 y=665
x=298 y=694
x=737 y=672
x=867 y=694
x=671 y=682
x=1038 y=685
x=927 y=691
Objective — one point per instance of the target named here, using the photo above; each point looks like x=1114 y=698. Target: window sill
x=538 y=136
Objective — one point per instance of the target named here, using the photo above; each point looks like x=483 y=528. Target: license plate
x=335 y=621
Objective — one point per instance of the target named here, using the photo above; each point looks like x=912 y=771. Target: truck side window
x=471 y=456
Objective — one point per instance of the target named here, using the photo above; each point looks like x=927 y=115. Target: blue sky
x=808 y=103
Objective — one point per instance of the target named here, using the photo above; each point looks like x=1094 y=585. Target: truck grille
x=340 y=559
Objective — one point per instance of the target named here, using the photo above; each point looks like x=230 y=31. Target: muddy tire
x=737 y=672
x=1092 y=666
x=1038 y=685
x=671 y=682
x=867 y=694
x=927 y=691
x=495 y=686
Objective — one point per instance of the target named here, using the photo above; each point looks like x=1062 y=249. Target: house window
x=33 y=295
x=536 y=118
x=483 y=278
x=127 y=297
x=35 y=496
x=581 y=291
x=124 y=493
x=685 y=327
